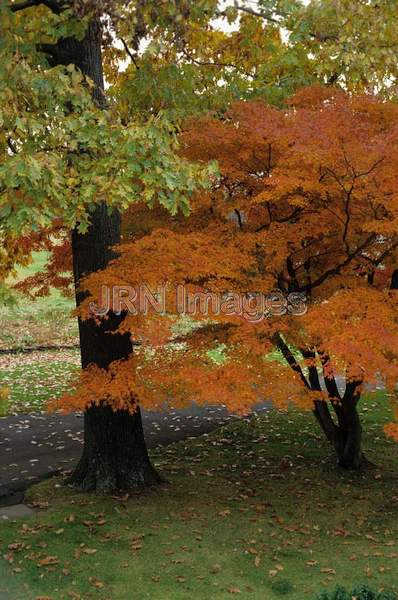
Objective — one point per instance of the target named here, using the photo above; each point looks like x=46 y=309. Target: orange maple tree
x=306 y=203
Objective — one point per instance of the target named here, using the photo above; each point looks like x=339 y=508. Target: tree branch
x=324 y=418
x=288 y=356
x=336 y=270
x=321 y=409
x=129 y=53
x=239 y=217
x=255 y=13
x=12 y=146
x=330 y=382
x=352 y=392
x=208 y=63
x=249 y=11
x=52 y=5
x=376 y=261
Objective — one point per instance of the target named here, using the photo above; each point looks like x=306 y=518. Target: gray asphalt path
x=33 y=447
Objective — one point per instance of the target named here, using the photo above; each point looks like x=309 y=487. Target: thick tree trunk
x=114 y=455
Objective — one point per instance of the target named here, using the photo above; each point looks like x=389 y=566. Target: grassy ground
x=257 y=510
x=46 y=320
x=28 y=381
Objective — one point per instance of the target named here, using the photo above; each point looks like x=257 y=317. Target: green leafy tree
x=352 y=44
x=69 y=159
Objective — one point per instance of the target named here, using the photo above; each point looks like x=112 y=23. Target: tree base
x=115 y=457
x=359 y=464
x=91 y=481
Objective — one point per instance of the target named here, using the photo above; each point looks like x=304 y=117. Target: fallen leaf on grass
x=384 y=569
x=96 y=583
x=329 y=571
x=69 y=519
x=215 y=568
x=136 y=547
x=16 y=546
x=48 y=560
x=40 y=504
x=273 y=572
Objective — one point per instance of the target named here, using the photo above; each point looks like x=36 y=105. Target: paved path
x=33 y=447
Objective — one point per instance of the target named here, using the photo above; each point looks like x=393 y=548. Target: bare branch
x=255 y=13
x=129 y=53
x=249 y=11
x=289 y=357
x=336 y=270
x=208 y=63
x=372 y=168
x=12 y=146
x=239 y=217
x=347 y=216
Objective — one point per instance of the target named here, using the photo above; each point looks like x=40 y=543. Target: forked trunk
x=346 y=435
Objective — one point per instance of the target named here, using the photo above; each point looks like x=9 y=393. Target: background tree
x=352 y=45
x=314 y=194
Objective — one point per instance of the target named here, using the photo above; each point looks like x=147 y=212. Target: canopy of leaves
x=352 y=44
x=61 y=154
x=307 y=202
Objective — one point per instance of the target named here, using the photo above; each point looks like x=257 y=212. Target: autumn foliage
x=306 y=201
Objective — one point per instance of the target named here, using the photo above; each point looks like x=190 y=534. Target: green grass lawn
x=256 y=510
x=32 y=379
x=45 y=320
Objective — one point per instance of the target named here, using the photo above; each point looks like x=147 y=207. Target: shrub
x=359 y=592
